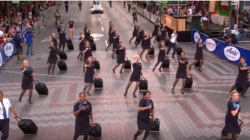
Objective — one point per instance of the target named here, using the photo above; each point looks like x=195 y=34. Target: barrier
x=146 y=14
x=140 y=10
x=153 y=17
x=8 y=50
x=223 y=50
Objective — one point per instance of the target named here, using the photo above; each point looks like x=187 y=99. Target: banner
x=223 y=50
x=8 y=50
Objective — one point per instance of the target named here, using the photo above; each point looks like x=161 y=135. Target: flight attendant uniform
x=143 y=117
x=121 y=56
x=136 y=74
x=89 y=74
x=82 y=121
x=88 y=53
x=199 y=53
x=181 y=71
x=27 y=81
x=52 y=59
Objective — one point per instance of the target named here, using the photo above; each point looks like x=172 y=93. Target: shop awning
x=175 y=3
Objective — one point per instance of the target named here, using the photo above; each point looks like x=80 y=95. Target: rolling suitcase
x=189 y=82
x=151 y=51
x=41 y=88
x=70 y=45
x=93 y=46
x=179 y=50
x=63 y=55
x=95 y=131
x=96 y=63
x=98 y=83
x=165 y=64
x=143 y=85
x=155 y=126
x=62 y=65
x=127 y=65
x=27 y=126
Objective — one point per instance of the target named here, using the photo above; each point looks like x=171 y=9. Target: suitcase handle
x=18 y=119
x=35 y=81
x=143 y=79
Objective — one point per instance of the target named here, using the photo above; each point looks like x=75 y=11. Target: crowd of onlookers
x=150 y=7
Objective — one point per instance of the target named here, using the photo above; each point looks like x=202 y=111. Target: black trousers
x=4 y=128
x=85 y=137
x=172 y=45
x=66 y=8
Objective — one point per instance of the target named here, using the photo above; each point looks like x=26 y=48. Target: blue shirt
x=29 y=38
x=18 y=41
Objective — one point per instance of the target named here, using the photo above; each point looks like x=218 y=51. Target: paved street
x=197 y=115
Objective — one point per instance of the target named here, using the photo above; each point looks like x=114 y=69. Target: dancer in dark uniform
x=120 y=57
x=71 y=27
x=156 y=30
x=89 y=75
x=87 y=35
x=63 y=39
x=242 y=78
x=52 y=60
x=54 y=40
x=232 y=127
x=85 y=28
x=87 y=53
x=27 y=81
x=140 y=37
x=81 y=46
x=146 y=45
x=84 y=117
x=161 y=55
x=198 y=54
x=116 y=40
x=146 y=109
x=164 y=34
x=135 y=33
x=110 y=27
x=182 y=71
x=135 y=76
x=111 y=36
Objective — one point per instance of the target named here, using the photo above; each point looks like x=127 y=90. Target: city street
x=197 y=115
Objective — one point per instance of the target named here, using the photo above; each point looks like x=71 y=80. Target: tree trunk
x=8 y=4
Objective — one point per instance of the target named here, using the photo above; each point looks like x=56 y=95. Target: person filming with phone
x=84 y=117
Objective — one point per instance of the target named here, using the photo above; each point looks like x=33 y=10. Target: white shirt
x=7 y=106
x=173 y=38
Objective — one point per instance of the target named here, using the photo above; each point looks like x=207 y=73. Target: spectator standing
x=29 y=42
x=66 y=6
x=19 y=46
x=12 y=30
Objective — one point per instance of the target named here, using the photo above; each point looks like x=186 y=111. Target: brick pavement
x=197 y=115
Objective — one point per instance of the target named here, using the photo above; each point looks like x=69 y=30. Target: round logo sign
x=1 y=59
x=8 y=49
x=95 y=36
x=232 y=53
x=196 y=37
x=210 y=44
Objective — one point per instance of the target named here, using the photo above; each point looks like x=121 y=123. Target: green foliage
x=217 y=6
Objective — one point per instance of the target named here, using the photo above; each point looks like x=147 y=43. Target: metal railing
x=45 y=15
